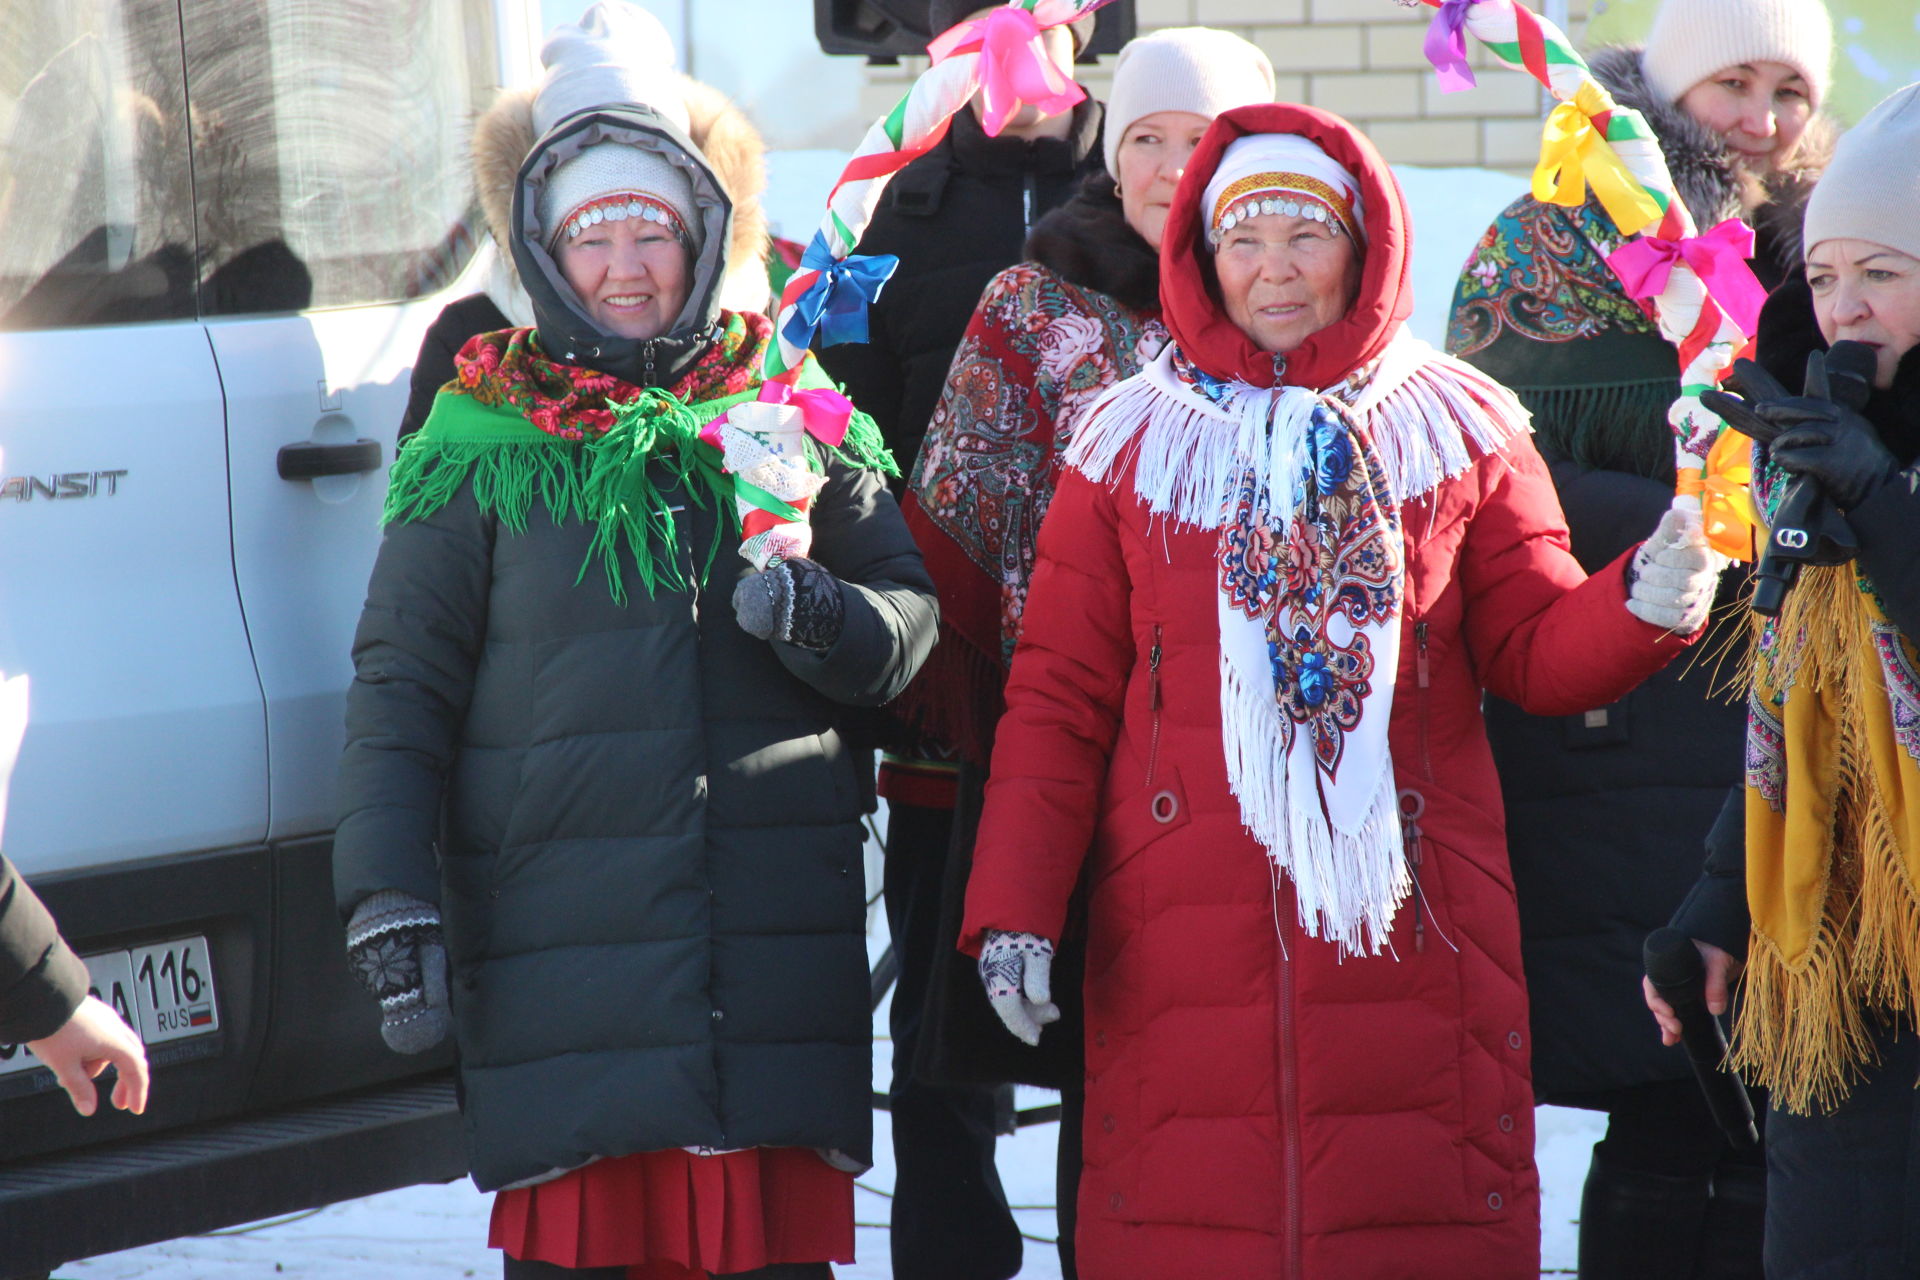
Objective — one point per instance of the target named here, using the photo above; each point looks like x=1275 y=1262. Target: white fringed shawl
x=1335 y=832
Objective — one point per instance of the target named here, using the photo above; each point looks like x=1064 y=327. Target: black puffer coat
x=1607 y=810
x=955 y=217
x=638 y=821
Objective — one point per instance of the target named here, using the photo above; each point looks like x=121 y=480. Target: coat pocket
x=1147 y=814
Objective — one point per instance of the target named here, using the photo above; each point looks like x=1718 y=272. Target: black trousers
x=1843 y=1190
x=950 y=1214
x=1662 y=1128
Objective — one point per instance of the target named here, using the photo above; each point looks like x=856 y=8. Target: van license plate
x=165 y=992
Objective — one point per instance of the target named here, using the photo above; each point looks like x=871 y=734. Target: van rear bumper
x=121 y=1195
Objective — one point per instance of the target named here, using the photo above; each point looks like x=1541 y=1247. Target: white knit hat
x=1872 y=186
x=614 y=181
x=1692 y=39
x=1195 y=69
x=618 y=54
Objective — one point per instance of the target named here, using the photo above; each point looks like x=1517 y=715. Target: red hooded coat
x=1257 y=1106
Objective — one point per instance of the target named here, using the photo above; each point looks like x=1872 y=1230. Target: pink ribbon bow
x=824 y=413
x=1718 y=257
x=1015 y=70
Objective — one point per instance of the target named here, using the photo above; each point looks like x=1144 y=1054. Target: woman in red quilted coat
x=1284 y=563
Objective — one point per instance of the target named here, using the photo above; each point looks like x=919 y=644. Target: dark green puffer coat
x=639 y=824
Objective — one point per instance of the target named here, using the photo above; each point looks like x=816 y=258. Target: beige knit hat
x=1195 y=69
x=1692 y=39
x=1872 y=186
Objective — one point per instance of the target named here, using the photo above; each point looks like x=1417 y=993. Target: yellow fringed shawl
x=1833 y=840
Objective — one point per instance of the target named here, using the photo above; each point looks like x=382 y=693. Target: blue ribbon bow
x=834 y=306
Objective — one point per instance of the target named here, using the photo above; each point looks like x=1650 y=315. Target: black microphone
x=1808 y=529
x=1675 y=969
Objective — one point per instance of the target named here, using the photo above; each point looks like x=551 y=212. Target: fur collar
x=503 y=136
x=1088 y=242
x=1712 y=188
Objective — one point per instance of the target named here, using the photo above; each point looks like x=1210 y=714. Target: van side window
x=96 y=207
x=330 y=147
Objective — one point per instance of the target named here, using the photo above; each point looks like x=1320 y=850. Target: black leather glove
x=796 y=601
x=1742 y=412
x=1813 y=434
x=395 y=948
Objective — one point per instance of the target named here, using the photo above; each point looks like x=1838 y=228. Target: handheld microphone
x=1806 y=527
x=1675 y=969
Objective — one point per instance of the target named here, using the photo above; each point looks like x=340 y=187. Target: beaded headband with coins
x=1291 y=194
x=1282 y=174
x=618 y=206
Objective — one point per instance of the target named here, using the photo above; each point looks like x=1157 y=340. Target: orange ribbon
x=1725 y=488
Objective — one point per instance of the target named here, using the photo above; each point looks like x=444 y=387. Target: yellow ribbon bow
x=1727 y=513
x=1573 y=154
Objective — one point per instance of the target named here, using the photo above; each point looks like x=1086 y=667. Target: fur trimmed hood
x=1712 y=188
x=503 y=136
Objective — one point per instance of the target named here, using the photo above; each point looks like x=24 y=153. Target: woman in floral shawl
x=1606 y=810
x=596 y=817
x=1281 y=567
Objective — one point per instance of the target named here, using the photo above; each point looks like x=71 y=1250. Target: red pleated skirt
x=674 y=1215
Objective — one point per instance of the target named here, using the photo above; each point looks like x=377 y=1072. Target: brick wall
x=1360 y=58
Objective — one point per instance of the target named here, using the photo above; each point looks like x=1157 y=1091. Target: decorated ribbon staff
x=1001 y=58
x=1705 y=299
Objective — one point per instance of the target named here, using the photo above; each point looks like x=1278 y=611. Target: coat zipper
x=1289 y=1104
x=1423 y=678
x=1026 y=200
x=1153 y=702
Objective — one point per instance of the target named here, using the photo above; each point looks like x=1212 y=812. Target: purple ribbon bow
x=1718 y=257
x=1446 y=46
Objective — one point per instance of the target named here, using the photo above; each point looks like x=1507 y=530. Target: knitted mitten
x=795 y=601
x=1673 y=575
x=394 y=946
x=1017 y=971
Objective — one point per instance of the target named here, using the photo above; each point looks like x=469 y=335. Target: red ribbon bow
x=1719 y=258
x=1015 y=70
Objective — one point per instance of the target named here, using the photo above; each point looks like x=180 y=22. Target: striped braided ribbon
x=1706 y=300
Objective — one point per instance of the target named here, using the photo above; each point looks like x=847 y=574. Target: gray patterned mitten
x=394 y=946
x=1673 y=575
x=795 y=601
x=1017 y=971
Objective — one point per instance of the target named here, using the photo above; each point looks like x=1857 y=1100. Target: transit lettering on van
x=67 y=484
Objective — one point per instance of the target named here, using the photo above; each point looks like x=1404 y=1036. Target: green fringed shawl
x=613 y=481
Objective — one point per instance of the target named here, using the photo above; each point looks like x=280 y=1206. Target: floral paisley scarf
x=521 y=427
x=1305 y=490
x=1833 y=835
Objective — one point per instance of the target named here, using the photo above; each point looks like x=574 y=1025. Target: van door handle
x=309 y=461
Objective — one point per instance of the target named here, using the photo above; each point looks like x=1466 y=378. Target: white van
x=224 y=226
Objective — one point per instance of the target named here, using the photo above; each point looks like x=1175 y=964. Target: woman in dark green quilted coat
x=596 y=816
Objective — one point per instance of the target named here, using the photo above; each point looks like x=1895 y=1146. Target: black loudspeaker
x=884 y=31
